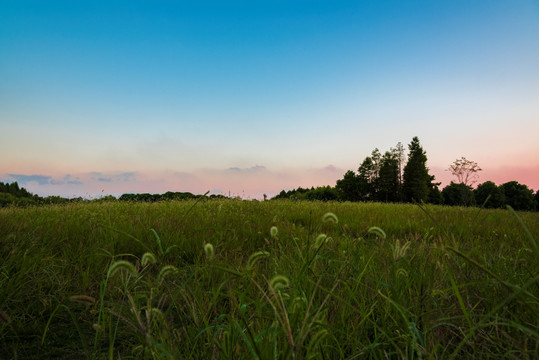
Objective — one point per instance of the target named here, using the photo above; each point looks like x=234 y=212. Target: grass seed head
x=330 y=217
x=299 y=303
x=377 y=231
x=274 y=232
x=167 y=270
x=208 y=250
x=400 y=251
x=402 y=273
x=279 y=282
x=321 y=240
x=148 y=258
x=257 y=256
x=122 y=265
x=156 y=313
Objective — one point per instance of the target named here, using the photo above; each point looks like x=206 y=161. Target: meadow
x=232 y=279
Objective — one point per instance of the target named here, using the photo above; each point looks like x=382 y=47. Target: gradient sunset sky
x=252 y=97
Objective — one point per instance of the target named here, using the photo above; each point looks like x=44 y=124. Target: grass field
x=231 y=279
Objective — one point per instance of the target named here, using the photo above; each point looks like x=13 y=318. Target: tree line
x=393 y=176
x=397 y=177
x=11 y=194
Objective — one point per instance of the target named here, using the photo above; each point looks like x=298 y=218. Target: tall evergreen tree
x=367 y=173
x=435 y=195
x=388 y=178
x=416 y=178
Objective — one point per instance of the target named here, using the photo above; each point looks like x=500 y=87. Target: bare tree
x=465 y=170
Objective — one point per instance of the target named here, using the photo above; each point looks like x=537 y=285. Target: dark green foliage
x=435 y=195
x=145 y=197
x=322 y=193
x=178 y=196
x=51 y=200
x=6 y=199
x=291 y=194
x=497 y=198
x=170 y=195
x=367 y=174
x=518 y=196
x=15 y=190
x=282 y=195
x=12 y=194
x=416 y=178
x=348 y=187
x=388 y=178
x=458 y=195
x=378 y=178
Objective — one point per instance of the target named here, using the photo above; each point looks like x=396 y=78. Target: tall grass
x=277 y=279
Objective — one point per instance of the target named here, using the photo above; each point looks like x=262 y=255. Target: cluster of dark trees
x=387 y=178
x=12 y=194
x=489 y=195
x=322 y=193
x=14 y=190
x=170 y=195
x=395 y=177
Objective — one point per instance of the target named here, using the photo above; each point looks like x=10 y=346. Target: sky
x=251 y=97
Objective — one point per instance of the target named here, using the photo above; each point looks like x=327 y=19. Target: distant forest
x=397 y=177
x=389 y=177
x=13 y=195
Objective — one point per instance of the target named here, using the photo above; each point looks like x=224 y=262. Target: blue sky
x=289 y=92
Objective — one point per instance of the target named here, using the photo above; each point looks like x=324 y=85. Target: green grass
x=213 y=280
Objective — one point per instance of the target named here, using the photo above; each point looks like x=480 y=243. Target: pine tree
x=388 y=178
x=367 y=175
x=416 y=178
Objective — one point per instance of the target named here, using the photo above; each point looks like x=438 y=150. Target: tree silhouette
x=458 y=194
x=518 y=196
x=388 y=178
x=486 y=189
x=348 y=187
x=465 y=170
x=416 y=178
x=367 y=173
